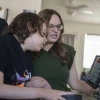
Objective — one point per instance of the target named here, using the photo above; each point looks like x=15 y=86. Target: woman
x=26 y=33
x=56 y=62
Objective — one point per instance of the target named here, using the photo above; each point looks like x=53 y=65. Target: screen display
x=95 y=72
x=93 y=77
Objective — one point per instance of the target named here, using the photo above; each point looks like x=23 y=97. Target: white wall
x=80 y=29
x=16 y=6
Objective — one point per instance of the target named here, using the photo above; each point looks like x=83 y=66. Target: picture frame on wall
x=4 y=13
x=27 y=10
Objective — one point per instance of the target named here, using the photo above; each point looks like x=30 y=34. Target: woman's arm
x=77 y=84
x=17 y=92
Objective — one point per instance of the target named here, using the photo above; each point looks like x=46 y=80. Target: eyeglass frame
x=53 y=27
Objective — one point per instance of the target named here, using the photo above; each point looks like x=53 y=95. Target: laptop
x=93 y=77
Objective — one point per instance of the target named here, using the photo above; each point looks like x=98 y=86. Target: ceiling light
x=87 y=12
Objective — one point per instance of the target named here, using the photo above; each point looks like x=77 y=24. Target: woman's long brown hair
x=58 y=48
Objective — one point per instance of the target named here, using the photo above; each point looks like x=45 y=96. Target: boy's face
x=35 y=42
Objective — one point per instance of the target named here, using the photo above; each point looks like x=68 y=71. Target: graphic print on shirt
x=19 y=80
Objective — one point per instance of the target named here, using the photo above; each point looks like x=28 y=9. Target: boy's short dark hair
x=19 y=25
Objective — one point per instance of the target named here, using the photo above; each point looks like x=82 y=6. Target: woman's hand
x=55 y=94
x=38 y=82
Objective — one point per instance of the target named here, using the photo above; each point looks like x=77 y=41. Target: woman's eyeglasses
x=52 y=27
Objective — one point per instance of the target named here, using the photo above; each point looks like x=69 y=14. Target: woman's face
x=36 y=41
x=54 y=29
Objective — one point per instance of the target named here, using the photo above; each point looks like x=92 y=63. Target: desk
x=88 y=97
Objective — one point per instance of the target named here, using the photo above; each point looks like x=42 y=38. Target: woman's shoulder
x=69 y=47
x=72 y=54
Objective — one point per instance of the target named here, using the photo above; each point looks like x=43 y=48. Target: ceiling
x=82 y=15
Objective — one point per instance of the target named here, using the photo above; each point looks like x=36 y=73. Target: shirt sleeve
x=72 y=55
x=3 y=57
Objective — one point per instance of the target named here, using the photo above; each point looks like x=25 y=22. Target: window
x=69 y=39
x=91 y=49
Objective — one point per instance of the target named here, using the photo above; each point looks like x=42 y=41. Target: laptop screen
x=93 y=78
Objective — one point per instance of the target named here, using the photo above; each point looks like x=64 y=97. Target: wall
x=16 y=6
x=80 y=29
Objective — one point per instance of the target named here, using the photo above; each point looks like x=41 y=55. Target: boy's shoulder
x=5 y=38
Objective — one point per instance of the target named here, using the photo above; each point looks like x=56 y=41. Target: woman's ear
x=29 y=26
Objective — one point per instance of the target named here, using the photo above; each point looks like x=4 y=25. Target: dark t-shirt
x=50 y=67
x=15 y=64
